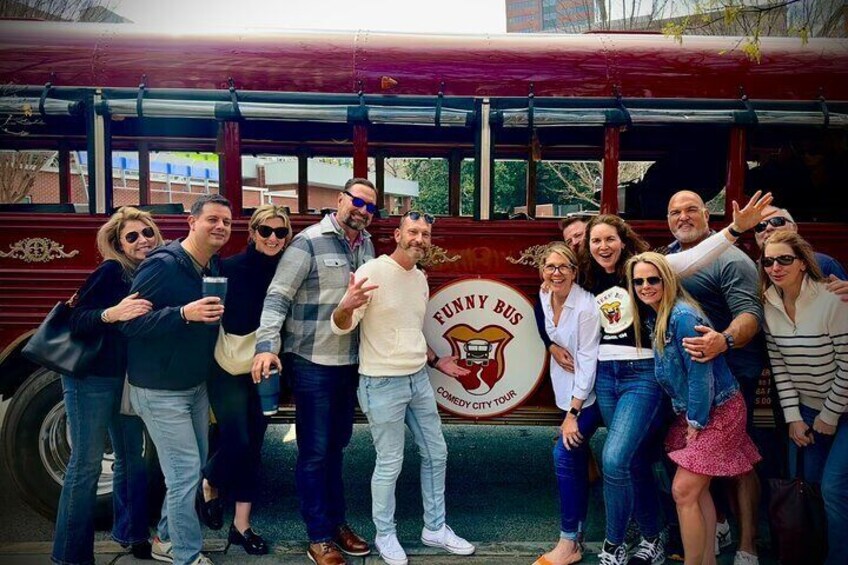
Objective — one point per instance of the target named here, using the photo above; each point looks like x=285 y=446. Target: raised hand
x=357 y=294
x=752 y=213
x=129 y=308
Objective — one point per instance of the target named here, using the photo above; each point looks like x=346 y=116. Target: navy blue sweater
x=248 y=275
x=164 y=351
x=105 y=287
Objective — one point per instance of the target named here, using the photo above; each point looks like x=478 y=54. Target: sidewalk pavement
x=294 y=553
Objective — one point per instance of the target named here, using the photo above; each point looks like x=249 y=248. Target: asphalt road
x=501 y=493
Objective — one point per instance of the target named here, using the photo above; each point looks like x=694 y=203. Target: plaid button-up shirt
x=310 y=281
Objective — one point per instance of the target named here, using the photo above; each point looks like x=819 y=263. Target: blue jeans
x=826 y=462
x=389 y=402
x=92 y=406
x=325 y=397
x=178 y=424
x=631 y=403
x=572 y=472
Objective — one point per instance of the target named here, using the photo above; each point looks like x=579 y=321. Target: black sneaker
x=612 y=554
x=649 y=552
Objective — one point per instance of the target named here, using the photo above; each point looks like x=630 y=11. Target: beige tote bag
x=234 y=353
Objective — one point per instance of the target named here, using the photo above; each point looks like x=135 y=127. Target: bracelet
x=734 y=232
x=433 y=362
x=182 y=314
x=104 y=317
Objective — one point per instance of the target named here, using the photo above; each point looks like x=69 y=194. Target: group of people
x=346 y=327
x=666 y=350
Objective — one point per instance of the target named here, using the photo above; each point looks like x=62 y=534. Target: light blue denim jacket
x=694 y=387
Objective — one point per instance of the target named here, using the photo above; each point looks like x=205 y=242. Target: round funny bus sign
x=490 y=327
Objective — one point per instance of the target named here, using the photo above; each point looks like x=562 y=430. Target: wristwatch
x=731 y=343
x=434 y=361
x=574 y=411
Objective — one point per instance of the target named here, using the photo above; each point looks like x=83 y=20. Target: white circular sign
x=490 y=327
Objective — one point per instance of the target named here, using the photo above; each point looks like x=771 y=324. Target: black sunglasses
x=415 y=216
x=777 y=222
x=784 y=260
x=653 y=281
x=132 y=236
x=359 y=203
x=266 y=231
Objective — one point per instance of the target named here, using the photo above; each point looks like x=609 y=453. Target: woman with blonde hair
x=807 y=338
x=92 y=403
x=568 y=317
x=708 y=438
x=234 y=466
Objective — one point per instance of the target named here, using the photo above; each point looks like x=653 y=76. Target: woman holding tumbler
x=569 y=317
x=234 y=466
x=93 y=402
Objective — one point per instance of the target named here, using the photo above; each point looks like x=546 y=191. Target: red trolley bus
x=697 y=114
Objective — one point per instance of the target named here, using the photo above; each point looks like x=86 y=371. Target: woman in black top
x=234 y=466
x=92 y=403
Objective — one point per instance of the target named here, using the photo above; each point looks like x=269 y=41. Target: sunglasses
x=551 y=269
x=359 y=203
x=776 y=222
x=132 y=236
x=785 y=260
x=415 y=216
x=653 y=281
x=266 y=231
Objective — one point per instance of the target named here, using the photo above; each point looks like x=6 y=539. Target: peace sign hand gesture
x=357 y=294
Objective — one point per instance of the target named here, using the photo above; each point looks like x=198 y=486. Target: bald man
x=779 y=219
x=728 y=291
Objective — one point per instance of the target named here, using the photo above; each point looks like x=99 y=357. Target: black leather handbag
x=54 y=347
x=797 y=519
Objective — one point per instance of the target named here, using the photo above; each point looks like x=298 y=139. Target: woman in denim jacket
x=708 y=438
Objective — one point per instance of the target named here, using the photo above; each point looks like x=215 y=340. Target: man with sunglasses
x=394 y=386
x=311 y=279
x=728 y=291
x=779 y=219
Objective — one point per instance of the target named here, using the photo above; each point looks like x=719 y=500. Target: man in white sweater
x=394 y=387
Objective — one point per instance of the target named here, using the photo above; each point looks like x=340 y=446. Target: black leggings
x=235 y=464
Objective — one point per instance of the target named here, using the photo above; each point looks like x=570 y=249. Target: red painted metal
x=651 y=66
x=360 y=151
x=609 y=176
x=734 y=189
x=230 y=161
x=65 y=177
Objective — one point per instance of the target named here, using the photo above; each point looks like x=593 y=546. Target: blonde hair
x=109 y=236
x=672 y=292
x=267 y=212
x=800 y=247
x=560 y=248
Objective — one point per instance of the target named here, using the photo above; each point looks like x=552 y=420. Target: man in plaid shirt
x=310 y=281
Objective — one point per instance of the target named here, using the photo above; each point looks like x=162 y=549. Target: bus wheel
x=37 y=447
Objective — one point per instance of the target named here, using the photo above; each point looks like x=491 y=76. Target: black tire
x=36 y=450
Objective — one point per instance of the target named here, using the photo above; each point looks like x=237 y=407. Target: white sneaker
x=648 y=553
x=202 y=560
x=445 y=538
x=745 y=558
x=162 y=550
x=618 y=556
x=723 y=536
x=390 y=550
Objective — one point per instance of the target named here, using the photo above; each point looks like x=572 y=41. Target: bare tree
x=60 y=10
x=18 y=171
x=581 y=180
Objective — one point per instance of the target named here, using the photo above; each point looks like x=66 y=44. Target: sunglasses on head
x=653 y=281
x=359 y=203
x=132 y=236
x=777 y=222
x=784 y=260
x=415 y=216
x=266 y=231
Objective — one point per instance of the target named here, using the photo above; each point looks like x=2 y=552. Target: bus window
x=33 y=177
x=179 y=178
x=269 y=179
x=509 y=187
x=566 y=187
x=426 y=181
x=634 y=196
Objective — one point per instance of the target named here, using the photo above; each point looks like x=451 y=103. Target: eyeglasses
x=359 y=203
x=132 y=236
x=785 y=260
x=266 y=231
x=551 y=269
x=415 y=216
x=652 y=281
x=776 y=222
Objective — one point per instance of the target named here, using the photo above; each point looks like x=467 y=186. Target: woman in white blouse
x=569 y=318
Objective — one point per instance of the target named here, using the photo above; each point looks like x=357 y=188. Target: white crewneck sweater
x=391 y=336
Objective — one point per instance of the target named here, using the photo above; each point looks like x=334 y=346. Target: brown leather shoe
x=351 y=543
x=325 y=553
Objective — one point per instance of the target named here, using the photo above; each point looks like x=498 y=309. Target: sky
x=421 y=16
